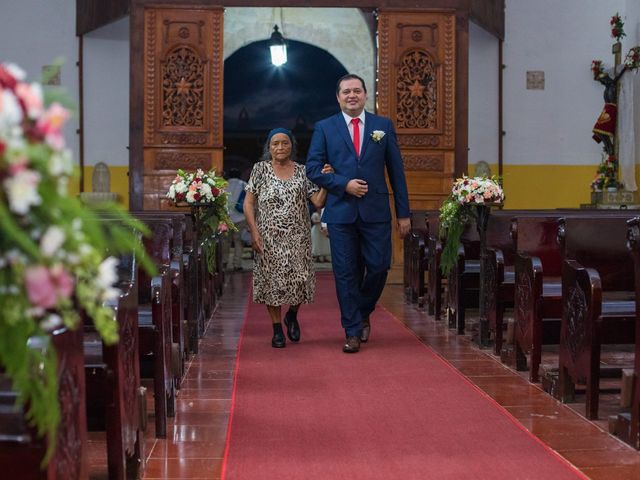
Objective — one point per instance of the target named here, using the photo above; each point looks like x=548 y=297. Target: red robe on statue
x=606 y=123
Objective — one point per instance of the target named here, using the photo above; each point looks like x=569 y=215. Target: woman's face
x=280 y=147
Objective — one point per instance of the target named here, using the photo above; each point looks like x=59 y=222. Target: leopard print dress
x=283 y=274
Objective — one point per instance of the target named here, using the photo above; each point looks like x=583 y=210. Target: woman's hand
x=327 y=168
x=257 y=245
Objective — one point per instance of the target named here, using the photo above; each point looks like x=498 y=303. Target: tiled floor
x=196 y=437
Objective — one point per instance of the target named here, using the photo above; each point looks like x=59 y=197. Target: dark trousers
x=361 y=258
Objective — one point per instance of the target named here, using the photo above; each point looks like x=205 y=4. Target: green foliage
x=54 y=251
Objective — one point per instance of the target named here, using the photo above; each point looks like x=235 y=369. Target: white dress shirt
x=348 y=119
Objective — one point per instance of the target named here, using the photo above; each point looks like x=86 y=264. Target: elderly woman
x=277 y=212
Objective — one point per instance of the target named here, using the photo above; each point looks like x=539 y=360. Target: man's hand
x=357 y=188
x=327 y=168
x=404 y=227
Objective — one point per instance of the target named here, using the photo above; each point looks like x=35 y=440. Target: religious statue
x=605 y=128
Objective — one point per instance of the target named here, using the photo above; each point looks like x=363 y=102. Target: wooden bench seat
x=116 y=402
x=21 y=450
x=598 y=300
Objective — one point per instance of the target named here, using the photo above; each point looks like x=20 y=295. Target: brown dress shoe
x=366 y=330
x=352 y=345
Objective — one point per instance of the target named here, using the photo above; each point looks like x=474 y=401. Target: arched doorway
x=259 y=96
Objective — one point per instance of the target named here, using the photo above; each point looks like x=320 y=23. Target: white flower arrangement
x=478 y=190
x=455 y=211
x=197 y=187
x=206 y=190
x=377 y=135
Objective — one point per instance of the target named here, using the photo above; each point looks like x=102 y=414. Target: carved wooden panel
x=416 y=89
x=183 y=81
x=416 y=80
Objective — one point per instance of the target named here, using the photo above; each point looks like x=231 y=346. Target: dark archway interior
x=259 y=96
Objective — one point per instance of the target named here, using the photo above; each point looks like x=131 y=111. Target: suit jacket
x=331 y=143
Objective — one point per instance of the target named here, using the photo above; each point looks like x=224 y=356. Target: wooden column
x=182 y=96
x=417 y=90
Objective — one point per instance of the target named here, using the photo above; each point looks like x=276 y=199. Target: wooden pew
x=21 y=451
x=154 y=323
x=115 y=399
x=598 y=300
x=538 y=289
x=463 y=282
x=180 y=281
x=628 y=423
x=538 y=285
x=406 y=264
x=499 y=275
x=500 y=270
x=434 y=292
x=415 y=267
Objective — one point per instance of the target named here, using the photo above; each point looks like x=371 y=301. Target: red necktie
x=356 y=135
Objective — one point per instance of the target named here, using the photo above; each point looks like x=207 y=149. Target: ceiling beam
x=93 y=14
x=489 y=14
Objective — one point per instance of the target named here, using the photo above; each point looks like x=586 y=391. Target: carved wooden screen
x=183 y=82
x=416 y=89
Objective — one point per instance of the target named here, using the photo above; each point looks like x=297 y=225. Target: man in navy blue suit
x=359 y=146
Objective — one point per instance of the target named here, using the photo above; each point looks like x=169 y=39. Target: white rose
x=52 y=240
x=205 y=190
x=10 y=111
x=22 y=191
x=60 y=163
x=15 y=71
x=180 y=187
x=107 y=273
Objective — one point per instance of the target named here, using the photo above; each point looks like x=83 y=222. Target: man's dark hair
x=350 y=76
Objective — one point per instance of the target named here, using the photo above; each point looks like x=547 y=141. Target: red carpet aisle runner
x=393 y=411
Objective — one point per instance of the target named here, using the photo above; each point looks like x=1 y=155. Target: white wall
x=34 y=33
x=553 y=126
x=106 y=94
x=483 y=97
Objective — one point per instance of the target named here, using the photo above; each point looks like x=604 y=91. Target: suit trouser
x=361 y=258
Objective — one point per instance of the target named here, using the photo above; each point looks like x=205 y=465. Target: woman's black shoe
x=278 y=340
x=293 y=328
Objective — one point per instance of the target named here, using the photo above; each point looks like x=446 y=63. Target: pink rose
x=49 y=125
x=62 y=280
x=40 y=290
x=44 y=286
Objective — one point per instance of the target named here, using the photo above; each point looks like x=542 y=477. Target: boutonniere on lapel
x=377 y=135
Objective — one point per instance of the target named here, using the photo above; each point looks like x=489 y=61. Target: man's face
x=352 y=97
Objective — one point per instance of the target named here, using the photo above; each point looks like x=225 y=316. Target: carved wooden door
x=416 y=89
x=183 y=65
